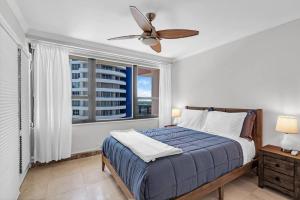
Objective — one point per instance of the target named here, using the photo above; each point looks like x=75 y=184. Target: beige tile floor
x=82 y=179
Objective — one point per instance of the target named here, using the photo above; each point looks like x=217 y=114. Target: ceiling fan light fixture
x=151 y=41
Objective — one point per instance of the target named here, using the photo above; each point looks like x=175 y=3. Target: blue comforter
x=205 y=157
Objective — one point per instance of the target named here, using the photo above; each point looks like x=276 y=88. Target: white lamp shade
x=287 y=124
x=176 y=112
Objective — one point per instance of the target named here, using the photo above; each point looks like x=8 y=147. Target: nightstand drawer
x=278 y=165
x=279 y=179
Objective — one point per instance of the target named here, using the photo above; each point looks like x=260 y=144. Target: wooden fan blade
x=140 y=19
x=125 y=37
x=176 y=33
x=157 y=47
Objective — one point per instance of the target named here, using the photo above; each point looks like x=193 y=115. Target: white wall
x=7 y=13
x=89 y=137
x=260 y=71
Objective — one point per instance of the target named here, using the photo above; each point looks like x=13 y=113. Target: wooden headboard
x=258 y=125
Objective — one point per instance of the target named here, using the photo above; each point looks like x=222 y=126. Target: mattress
x=205 y=157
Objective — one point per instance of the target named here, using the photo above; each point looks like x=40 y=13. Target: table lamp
x=287 y=125
x=176 y=115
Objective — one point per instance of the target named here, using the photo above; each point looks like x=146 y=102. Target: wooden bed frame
x=217 y=183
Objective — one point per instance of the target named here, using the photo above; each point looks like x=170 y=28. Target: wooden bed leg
x=103 y=163
x=221 y=192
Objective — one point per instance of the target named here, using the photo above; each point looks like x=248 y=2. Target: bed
x=207 y=163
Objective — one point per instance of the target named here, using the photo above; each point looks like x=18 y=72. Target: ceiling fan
x=150 y=36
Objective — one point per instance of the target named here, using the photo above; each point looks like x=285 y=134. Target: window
x=75 y=66
x=75 y=84
x=104 y=90
x=79 y=89
x=75 y=93
x=85 y=103
x=75 y=75
x=84 y=74
x=75 y=112
x=84 y=84
x=75 y=103
x=146 y=101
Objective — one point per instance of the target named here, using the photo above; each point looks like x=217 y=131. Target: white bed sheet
x=248 y=147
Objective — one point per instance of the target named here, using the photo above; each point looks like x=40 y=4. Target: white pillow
x=192 y=119
x=224 y=124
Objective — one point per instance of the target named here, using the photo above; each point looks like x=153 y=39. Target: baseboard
x=73 y=157
x=85 y=154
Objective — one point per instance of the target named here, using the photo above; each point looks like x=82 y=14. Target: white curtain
x=52 y=106
x=165 y=95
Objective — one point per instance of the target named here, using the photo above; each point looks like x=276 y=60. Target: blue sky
x=144 y=86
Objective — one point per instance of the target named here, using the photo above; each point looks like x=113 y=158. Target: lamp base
x=286 y=144
x=176 y=120
x=286 y=150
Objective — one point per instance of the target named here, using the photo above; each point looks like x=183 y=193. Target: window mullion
x=134 y=92
x=92 y=89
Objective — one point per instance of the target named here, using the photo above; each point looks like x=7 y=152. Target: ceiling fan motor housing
x=150 y=41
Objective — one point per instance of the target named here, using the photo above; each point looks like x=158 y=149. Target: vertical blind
x=14 y=85
x=9 y=126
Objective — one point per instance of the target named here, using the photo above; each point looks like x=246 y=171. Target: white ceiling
x=218 y=21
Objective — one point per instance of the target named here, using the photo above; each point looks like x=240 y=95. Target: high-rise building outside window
x=104 y=90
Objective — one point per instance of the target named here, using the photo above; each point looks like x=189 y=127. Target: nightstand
x=279 y=170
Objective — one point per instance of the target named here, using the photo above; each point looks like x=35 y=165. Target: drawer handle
x=277 y=178
x=277 y=165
